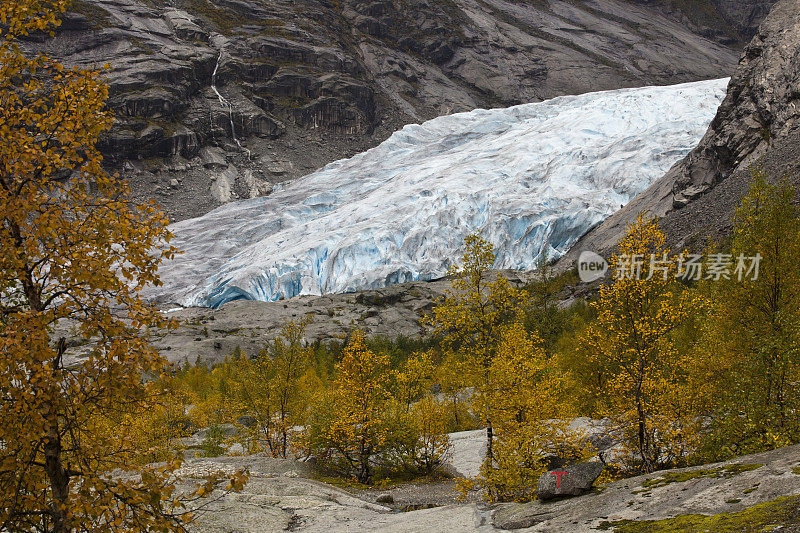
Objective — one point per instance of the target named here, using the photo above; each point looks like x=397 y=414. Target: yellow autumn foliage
x=749 y=355
x=645 y=391
x=74 y=251
x=351 y=418
x=470 y=320
x=413 y=379
x=527 y=400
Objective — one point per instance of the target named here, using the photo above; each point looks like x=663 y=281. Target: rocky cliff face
x=273 y=89
x=743 y=16
x=758 y=122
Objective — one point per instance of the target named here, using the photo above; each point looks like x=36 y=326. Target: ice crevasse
x=530 y=179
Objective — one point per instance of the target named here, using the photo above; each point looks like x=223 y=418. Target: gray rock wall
x=311 y=81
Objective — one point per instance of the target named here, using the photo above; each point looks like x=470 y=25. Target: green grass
x=97 y=16
x=342 y=483
x=383 y=483
x=228 y=20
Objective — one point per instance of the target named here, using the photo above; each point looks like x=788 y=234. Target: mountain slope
x=757 y=123
x=302 y=83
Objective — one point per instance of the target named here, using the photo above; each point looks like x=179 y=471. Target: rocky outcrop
x=762 y=104
x=758 y=121
x=705 y=490
x=312 y=81
x=279 y=496
x=158 y=63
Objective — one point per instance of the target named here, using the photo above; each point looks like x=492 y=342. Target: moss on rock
x=679 y=477
x=762 y=517
x=97 y=16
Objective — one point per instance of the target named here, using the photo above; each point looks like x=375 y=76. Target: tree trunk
x=283 y=432
x=781 y=397
x=642 y=451
x=489 y=439
x=53 y=465
x=59 y=480
x=647 y=463
x=363 y=460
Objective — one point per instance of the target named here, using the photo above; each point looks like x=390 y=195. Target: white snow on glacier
x=529 y=178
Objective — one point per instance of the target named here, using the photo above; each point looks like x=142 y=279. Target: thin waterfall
x=225 y=103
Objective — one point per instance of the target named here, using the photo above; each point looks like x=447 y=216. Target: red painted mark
x=558 y=477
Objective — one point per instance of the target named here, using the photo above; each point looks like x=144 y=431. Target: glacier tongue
x=529 y=178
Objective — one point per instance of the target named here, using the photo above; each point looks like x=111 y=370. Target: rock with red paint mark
x=568 y=481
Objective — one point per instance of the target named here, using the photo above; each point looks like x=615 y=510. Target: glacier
x=531 y=179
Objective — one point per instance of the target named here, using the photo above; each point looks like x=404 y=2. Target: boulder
x=385 y=498
x=213 y=158
x=236 y=449
x=279 y=168
x=184 y=27
x=570 y=481
x=226 y=430
x=255 y=187
x=246 y=421
x=222 y=185
x=219 y=430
